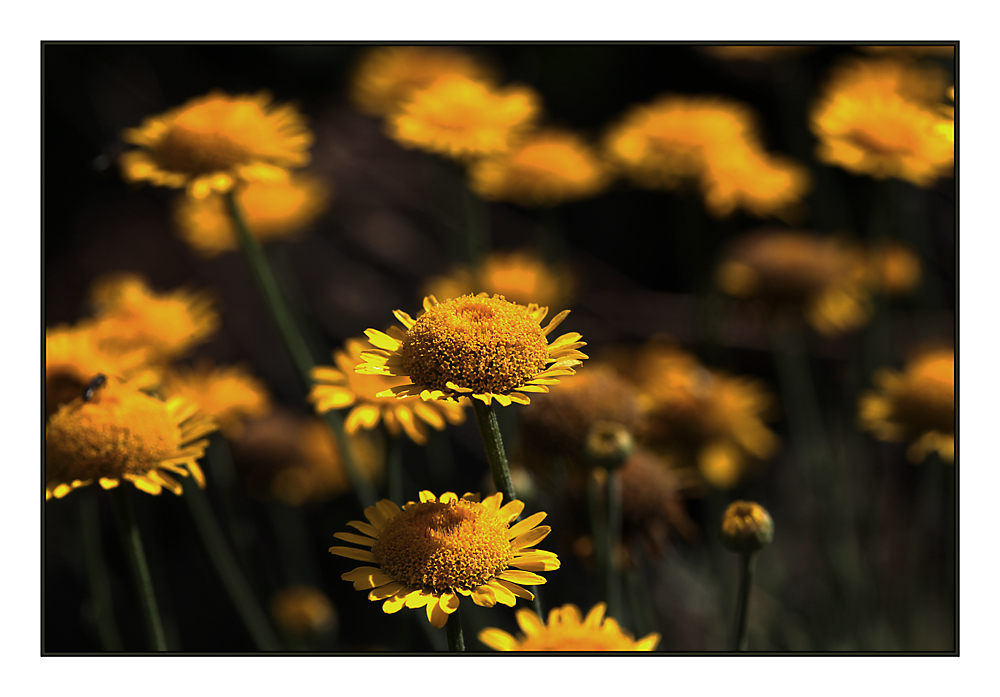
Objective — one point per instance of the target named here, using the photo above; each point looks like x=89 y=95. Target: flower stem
x=742 y=602
x=612 y=537
x=456 y=640
x=296 y=344
x=97 y=572
x=228 y=570
x=129 y=529
x=486 y=418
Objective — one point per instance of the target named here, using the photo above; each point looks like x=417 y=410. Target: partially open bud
x=747 y=528
x=609 y=444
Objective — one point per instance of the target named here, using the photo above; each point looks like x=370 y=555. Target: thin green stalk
x=296 y=345
x=97 y=572
x=132 y=540
x=228 y=570
x=598 y=529
x=612 y=540
x=486 y=418
x=456 y=640
x=740 y=637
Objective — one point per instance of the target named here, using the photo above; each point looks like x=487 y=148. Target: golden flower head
x=228 y=393
x=746 y=528
x=702 y=417
x=748 y=178
x=131 y=316
x=567 y=630
x=213 y=142
x=303 y=611
x=428 y=553
x=387 y=76
x=273 y=210
x=296 y=460
x=118 y=432
x=893 y=268
x=336 y=388
x=916 y=405
x=544 y=168
x=521 y=276
x=881 y=118
x=825 y=278
x=473 y=346
x=463 y=118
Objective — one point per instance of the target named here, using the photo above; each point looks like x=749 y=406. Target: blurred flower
x=746 y=528
x=653 y=503
x=463 y=118
x=73 y=358
x=756 y=52
x=544 y=168
x=901 y=51
x=296 y=460
x=428 y=553
x=473 y=346
x=824 y=278
x=699 y=416
x=122 y=433
x=228 y=393
x=710 y=142
x=916 y=405
x=303 y=611
x=273 y=210
x=520 y=276
x=567 y=630
x=131 y=316
x=388 y=76
x=336 y=388
x=893 y=268
x=213 y=142
x=880 y=118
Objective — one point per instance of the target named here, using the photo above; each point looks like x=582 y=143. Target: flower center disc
x=487 y=344
x=440 y=547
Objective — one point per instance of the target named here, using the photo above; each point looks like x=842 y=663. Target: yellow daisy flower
x=823 y=278
x=122 y=433
x=881 y=118
x=131 y=316
x=228 y=393
x=763 y=185
x=428 y=553
x=273 y=210
x=389 y=75
x=337 y=388
x=474 y=346
x=893 y=268
x=917 y=405
x=213 y=142
x=567 y=630
x=521 y=276
x=303 y=611
x=544 y=168
x=464 y=118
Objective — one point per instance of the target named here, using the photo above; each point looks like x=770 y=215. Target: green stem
x=132 y=540
x=612 y=538
x=486 y=418
x=97 y=572
x=228 y=570
x=296 y=345
x=742 y=602
x=456 y=640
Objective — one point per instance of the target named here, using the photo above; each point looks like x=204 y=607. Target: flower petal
x=356 y=539
x=522 y=577
x=497 y=639
x=525 y=525
x=352 y=553
x=390 y=589
x=530 y=538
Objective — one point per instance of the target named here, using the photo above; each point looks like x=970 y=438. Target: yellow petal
x=388 y=590
x=356 y=539
x=512 y=510
x=497 y=639
x=364 y=527
x=529 y=622
x=382 y=340
x=352 y=553
x=530 y=538
x=438 y=617
x=516 y=589
x=526 y=578
x=526 y=524
x=595 y=616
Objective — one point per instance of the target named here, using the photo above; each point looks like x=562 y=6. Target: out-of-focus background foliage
x=863 y=555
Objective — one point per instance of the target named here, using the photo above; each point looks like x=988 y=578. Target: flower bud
x=609 y=444
x=747 y=528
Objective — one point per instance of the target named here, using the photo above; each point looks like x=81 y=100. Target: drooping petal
x=352 y=553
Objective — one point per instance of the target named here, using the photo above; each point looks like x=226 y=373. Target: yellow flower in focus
x=567 y=630
x=215 y=141
x=893 y=268
x=881 y=118
x=545 y=168
x=273 y=210
x=131 y=316
x=336 y=388
x=474 y=346
x=916 y=405
x=700 y=416
x=303 y=611
x=428 y=553
x=748 y=178
x=823 y=278
x=520 y=276
x=122 y=433
x=464 y=118
x=229 y=393
x=389 y=75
